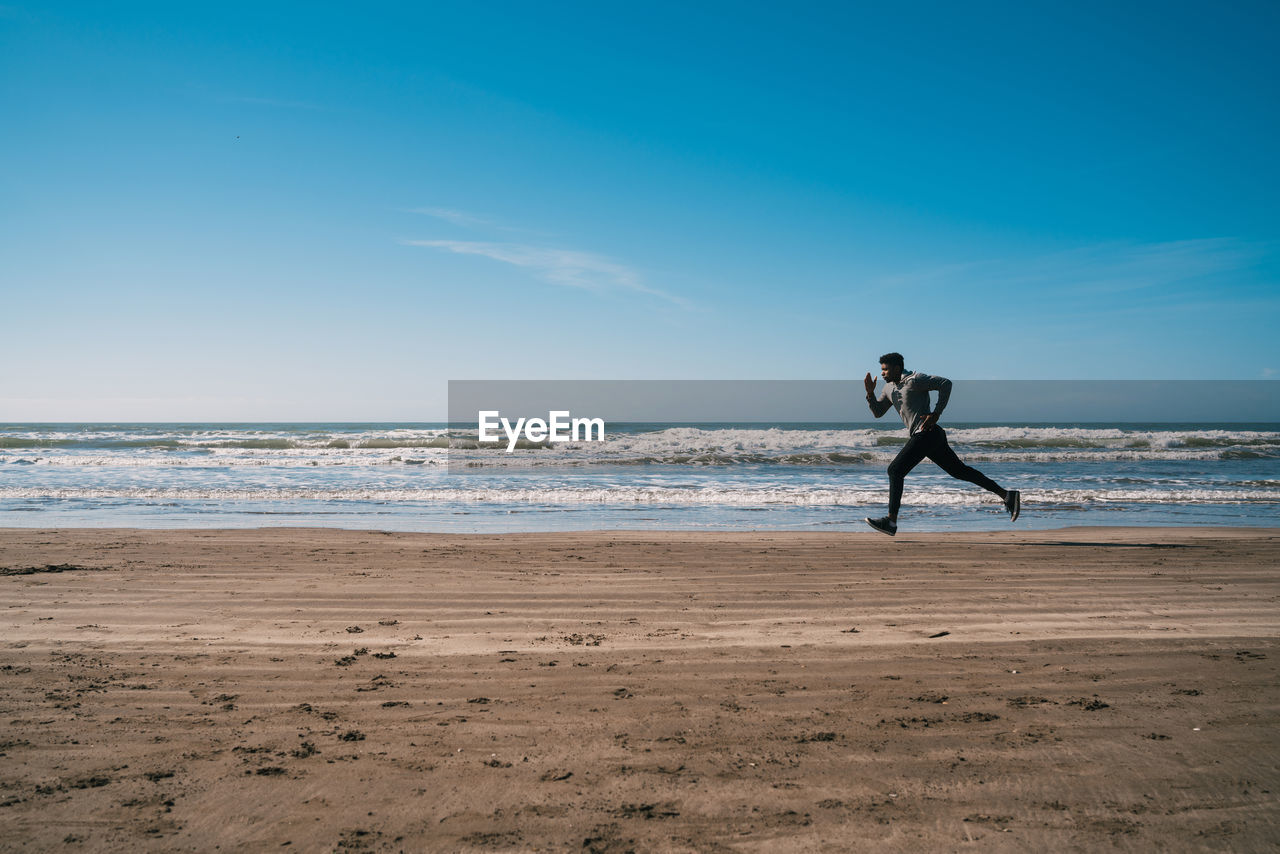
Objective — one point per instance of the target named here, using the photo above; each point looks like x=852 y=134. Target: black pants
x=931 y=444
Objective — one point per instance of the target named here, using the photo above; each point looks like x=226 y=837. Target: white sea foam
x=248 y=446
x=729 y=474
x=285 y=458
x=671 y=446
x=618 y=495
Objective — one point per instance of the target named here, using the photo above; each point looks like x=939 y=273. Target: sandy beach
x=321 y=690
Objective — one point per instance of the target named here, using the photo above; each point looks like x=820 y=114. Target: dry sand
x=317 y=690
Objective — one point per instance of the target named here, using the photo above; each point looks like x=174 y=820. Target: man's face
x=891 y=373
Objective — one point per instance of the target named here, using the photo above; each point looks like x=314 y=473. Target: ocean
x=820 y=477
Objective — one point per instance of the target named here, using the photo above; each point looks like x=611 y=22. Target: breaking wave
x=673 y=445
x=619 y=495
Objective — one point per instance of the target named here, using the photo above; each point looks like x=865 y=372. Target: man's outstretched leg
x=940 y=452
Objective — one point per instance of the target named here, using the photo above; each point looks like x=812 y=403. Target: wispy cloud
x=568 y=267
x=1106 y=269
x=455 y=216
x=466 y=219
x=1112 y=268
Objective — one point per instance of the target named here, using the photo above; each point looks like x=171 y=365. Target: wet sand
x=320 y=690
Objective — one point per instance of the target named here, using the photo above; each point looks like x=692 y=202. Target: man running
x=909 y=394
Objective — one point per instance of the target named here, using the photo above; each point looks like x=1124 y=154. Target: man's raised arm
x=879 y=405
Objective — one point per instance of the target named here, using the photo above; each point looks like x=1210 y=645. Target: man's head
x=891 y=365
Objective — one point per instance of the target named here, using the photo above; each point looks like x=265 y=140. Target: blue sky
x=326 y=211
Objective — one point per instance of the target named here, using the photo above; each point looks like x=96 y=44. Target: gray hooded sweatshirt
x=910 y=396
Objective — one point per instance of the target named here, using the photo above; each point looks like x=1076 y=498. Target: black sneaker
x=884 y=525
x=1013 y=503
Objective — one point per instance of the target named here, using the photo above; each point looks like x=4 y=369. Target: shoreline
x=177 y=689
